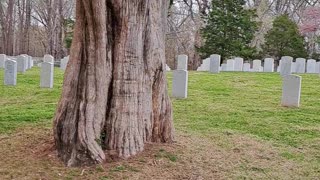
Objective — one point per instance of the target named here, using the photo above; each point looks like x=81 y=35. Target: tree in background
x=184 y=22
x=309 y=27
x=229 y=30
x=69 y=27
x=284 y=39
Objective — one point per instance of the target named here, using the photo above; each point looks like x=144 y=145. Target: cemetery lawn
x=231 y=127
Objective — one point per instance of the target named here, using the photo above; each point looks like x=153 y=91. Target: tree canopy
x=229 y=30
x=284 y=39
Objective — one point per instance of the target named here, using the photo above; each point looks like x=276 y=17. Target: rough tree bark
x=114 y=96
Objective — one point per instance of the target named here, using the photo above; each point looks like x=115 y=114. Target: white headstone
x=180 y=84
x=300 y=65
x=311 y=66
x=46 y=78
x=268 y=65
x=27 y=59
x=215 y=61
x=246 y=67
x=238 y=66
x=10 y=73
x=3 y=58
x=168 y=68
x=64 y=63
x=293 y=67
x=230 y=65
x=223 y=67
x=48 y=58
x=22 y=63
x=256 y=65
x=291 y=90
x=182 y=62
x=279 y=67
x=205 y=66
x=318 y=67
x=285 y=65
x=30 y=62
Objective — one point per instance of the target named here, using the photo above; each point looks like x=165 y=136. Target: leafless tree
x=183 y=35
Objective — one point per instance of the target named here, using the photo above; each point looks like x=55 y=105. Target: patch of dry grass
x=29 y=154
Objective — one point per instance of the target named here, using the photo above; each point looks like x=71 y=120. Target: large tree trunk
x=115 y=96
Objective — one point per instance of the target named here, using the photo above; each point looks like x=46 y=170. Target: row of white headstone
x=24 y=62
x=47 y=72
x=301 y=65
x=291 y=90
x=12 y=65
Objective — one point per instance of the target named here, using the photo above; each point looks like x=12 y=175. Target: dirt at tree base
x=30 y=154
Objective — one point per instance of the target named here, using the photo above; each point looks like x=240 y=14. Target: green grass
x=239 y=104
x=245 y=103
x=27 y=103
x=249 y=103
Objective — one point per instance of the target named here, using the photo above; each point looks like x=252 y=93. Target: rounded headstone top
x=48 y=58
x=287 y=57
x=215 y=55
x=10 y=61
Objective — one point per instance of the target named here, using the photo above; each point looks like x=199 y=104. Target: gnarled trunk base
x=115 y=95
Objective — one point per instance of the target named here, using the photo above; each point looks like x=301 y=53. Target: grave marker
x=180 y=84
x=182 y=62
x=168 y=68
x=230 y=65
x=64 y=63
x=223 y=67
x=268 y=65
x=256 y=65
x=293 y=67
x=300 y=65
x=22 y=63
x=48 y=58
x=291 y=91
x=215 y=61
x=311 y=66
x=246 y=67
x=3 y=58
x=285 y=65
x=238 y=66
x=10 y=73
x=318 y=67
x=46 y=77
